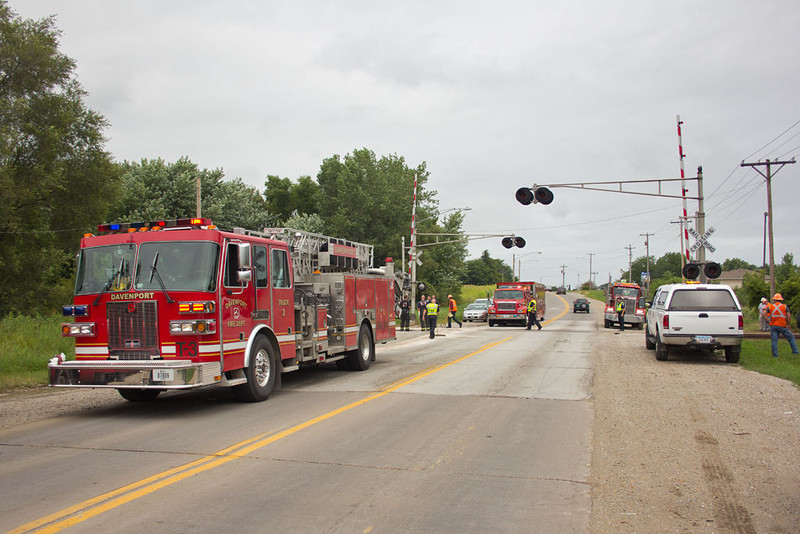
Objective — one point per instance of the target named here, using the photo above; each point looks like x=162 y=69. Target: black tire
x=639 y=325
x=662 y=349
x=360 y=358
x=648 y=343
x=732 y=354
x=139 y=395
x=491 y=324
x=261 y=373
x=607 y=324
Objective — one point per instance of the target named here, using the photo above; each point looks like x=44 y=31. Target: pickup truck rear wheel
x=732 y=354
x=662 y=349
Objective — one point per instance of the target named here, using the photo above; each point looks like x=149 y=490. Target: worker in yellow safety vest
x=532 y=315
x=431 y=313
x=621 y=314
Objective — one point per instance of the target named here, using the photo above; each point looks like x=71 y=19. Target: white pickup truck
x=695 y=316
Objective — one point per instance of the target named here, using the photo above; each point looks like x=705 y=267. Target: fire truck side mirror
x=244 y=256
x=244 y=271
x=691 y=271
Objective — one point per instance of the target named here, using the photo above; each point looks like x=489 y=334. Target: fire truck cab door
x=282 y=300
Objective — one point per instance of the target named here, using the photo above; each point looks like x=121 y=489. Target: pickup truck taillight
x=741 y=322
x=665 y=322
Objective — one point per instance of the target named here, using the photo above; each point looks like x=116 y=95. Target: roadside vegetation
x=27 y=346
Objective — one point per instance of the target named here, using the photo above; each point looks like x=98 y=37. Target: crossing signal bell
x=527 y=195
x=515 y=241
x=711 y=269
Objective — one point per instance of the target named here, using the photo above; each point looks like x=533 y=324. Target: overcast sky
x=491 y=95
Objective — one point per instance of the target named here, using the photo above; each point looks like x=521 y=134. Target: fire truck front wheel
x=260 y=372
x=360 y=358
x=139 y=395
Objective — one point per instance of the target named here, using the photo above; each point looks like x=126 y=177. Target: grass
x=27 y=346
x=757 y=356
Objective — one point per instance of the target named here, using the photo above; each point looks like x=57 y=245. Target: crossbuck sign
x=702 y=240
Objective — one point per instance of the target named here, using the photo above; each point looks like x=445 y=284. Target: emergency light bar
x=196 y=222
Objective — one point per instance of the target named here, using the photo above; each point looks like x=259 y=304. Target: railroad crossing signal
x=702 y=240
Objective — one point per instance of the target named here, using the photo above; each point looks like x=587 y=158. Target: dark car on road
x=581 y=305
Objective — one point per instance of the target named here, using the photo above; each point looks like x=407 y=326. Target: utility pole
x=199 y=202
x=563 y=271
x=764 y=255
x=646 y=236
x=630 y=262
x=768 y=176
x=590 y=254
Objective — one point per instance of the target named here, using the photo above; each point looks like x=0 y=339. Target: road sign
x=702 y=240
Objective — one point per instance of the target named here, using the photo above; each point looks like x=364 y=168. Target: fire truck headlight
x=199 y=326
x=77 y=329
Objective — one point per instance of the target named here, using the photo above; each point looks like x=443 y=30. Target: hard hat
x=449 y=296
x=763 y=299
x=777 y=296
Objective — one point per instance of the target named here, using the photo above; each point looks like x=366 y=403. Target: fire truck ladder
x=316 y=252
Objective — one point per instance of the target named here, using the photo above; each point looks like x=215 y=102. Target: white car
x=476 y=311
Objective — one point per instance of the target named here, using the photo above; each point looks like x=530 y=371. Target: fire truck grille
x=506 y=306
x=132 y=331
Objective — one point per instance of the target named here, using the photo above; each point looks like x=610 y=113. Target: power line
x=776 y=138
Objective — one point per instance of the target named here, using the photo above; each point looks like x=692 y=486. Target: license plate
x=163 y=375
x=703 y=339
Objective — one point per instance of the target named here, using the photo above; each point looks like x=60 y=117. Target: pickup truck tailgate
x=707 y=323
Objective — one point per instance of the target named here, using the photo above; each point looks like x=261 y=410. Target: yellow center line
x=97 y=505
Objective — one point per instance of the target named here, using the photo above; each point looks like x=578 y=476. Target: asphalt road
x=479 y=430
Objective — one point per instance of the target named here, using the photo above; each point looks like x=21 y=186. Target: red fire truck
x=510 y=302
x=180 y=304
x=634 y=304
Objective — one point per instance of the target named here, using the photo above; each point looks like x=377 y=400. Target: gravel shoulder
x=692 y=444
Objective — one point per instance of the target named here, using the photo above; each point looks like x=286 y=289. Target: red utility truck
x=180 y=304
x=510 y=302
x=633 y=296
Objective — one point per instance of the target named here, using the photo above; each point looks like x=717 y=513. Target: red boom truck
x=510 y=302
x=180 y=304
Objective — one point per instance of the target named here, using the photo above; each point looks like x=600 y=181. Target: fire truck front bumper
x=133 y=374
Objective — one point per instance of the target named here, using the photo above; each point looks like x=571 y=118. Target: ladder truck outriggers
x=180 y=304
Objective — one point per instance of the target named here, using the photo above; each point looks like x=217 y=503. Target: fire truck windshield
x=184 y=265
x=626 y=292
x=508 y=294
x=105 y=269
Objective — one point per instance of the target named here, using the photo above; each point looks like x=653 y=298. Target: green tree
x=443 y=265
x=736 y=263
x=55 y=176
x=285 y=198
x=369 y=199
x=486 y=270
x=154 y=189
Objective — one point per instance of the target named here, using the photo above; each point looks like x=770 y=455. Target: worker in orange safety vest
x=779 y=318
